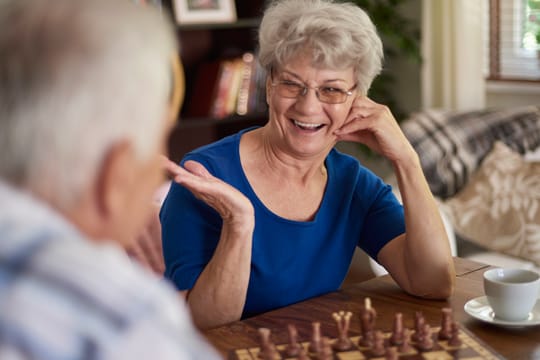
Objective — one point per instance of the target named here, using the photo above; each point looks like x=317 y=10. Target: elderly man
x=85 y=111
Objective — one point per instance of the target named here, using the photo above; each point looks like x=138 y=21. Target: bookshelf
x=204 y=49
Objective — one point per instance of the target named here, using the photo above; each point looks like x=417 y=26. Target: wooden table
x=387 y=298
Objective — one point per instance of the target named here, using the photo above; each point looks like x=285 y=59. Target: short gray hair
x=338 y=36
x=77 y=77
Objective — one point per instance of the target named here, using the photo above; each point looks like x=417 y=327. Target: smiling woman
x=312 y=204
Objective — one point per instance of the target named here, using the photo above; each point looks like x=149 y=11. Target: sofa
x=484 y=168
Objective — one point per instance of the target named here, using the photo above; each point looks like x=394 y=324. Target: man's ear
x=114 y=175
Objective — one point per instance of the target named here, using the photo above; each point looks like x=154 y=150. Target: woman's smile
x=310 y=127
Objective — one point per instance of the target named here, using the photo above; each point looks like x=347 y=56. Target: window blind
x=513 y=54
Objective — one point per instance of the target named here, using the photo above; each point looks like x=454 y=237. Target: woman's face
x=305 y=124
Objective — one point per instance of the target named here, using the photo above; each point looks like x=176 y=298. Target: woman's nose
x=308 y=101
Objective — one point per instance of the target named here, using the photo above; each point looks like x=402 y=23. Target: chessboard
x=447 y=340
x=471 y=349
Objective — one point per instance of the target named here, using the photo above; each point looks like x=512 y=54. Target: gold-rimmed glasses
x=327 y=94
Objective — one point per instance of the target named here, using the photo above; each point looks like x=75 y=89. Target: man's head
x=85 y=91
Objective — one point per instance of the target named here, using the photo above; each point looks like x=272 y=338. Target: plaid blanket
x=451 y=145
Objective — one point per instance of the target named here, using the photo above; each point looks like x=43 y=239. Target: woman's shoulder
x=220 y=156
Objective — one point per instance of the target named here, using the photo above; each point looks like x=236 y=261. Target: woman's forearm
x=219 y=294
x=427 y=257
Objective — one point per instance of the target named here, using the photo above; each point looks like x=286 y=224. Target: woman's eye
x=331 y=90
x=292 y=84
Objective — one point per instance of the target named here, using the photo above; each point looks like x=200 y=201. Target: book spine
x=221 y=95
x=245 y=84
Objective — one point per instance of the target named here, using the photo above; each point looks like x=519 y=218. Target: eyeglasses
x=326 y=94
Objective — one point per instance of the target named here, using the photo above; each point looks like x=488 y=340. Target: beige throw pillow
x=499 y=206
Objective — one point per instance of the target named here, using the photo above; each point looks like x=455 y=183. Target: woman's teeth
x=307 y=126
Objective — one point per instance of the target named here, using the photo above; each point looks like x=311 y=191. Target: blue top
x=291 y=260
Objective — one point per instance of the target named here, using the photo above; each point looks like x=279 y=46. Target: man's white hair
x=76 y=78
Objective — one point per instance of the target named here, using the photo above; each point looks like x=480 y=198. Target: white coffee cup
x=511 y=293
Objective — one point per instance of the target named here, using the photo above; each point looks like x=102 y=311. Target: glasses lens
x=289 y=89
x=332 y=96
x=329 y=95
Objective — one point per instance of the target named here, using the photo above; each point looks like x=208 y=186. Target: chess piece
x=342 y=322
x=315 y=344
x=454 y=340
x=368 y=316
x=302 y=355
x=378 y=348
x=397 y=334
x=367 y=339
x=268 y=349
x=293 y=347
x=405 y=347
x=391 y=353
x=418 y=326
x=426 y=339
x=325 y=351
x=446 y=324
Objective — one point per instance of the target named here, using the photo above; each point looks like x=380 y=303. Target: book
x=219 y=103
x=257 y=97
x=244 y=90
x=234 y=86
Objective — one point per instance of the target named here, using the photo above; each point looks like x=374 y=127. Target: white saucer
x=480 y=309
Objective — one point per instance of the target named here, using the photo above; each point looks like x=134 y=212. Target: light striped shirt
x=64 y=297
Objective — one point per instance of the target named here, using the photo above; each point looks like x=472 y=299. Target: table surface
x=387 y=298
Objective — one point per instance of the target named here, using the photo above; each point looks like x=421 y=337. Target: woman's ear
x=268 y=88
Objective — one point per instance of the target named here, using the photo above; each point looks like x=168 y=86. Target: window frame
x=495 y=71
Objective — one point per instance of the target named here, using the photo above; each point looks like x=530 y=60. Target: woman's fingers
x=224 y=198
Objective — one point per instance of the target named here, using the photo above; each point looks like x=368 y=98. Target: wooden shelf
x=202 y=44
x=240 y=23
x=190 y=134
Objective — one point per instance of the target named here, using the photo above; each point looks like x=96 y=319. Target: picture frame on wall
x=204 y=11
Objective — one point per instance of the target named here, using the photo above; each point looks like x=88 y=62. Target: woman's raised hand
x=373 y=125
x=230 y=203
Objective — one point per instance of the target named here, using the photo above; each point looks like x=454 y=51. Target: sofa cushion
x=451 y=145
x=499 y=208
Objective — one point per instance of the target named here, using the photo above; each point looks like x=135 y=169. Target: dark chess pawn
x=368 y=317
x=391 y=353
x=367 y=339
x=293 y=347
x=325 y=352
x=268 y=349
x=315 y=344
x=378 y=348
x=446 y=324
x=426 y=340
x=454 y=340
x=397 y=334
x=418 y=326
x=405 y=347
x=342 y=319
x=302 y=355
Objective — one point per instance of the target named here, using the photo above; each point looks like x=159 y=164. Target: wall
x=512 y=94
x=407 y=93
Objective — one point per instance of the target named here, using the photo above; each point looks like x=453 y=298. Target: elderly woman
x=313 y=205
